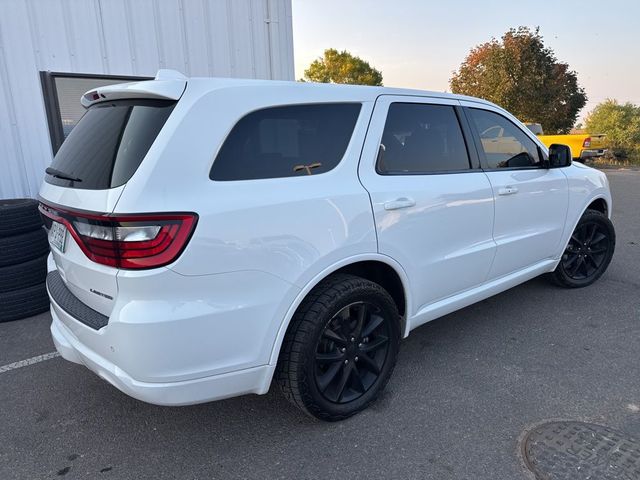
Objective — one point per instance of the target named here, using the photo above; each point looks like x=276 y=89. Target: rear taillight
x=131 y=242
x=587 y=142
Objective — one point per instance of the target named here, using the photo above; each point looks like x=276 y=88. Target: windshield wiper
x=58 y=174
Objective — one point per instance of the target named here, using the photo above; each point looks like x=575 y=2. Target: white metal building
x=51 y=51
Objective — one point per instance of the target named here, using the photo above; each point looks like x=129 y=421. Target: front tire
x=588 y=252
x=340 y=349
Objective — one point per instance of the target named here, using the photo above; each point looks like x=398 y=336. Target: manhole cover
x=577 y=450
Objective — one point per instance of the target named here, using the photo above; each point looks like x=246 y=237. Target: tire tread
x=17 y=249
x=23 y=303
x=18 y=216
x=23 y=275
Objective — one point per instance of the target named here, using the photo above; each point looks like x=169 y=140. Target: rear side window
x=286 y=141
x=420 y=138
x=108 y=144
x=504 y=144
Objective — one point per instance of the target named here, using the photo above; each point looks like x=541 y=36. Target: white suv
x=210 y=235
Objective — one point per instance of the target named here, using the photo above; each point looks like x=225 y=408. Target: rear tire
x=340 y=349
x=588 y=252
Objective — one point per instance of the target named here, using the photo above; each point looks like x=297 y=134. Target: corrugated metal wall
x=227 y=38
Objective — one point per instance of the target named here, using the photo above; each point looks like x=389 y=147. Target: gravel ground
x=465 y=389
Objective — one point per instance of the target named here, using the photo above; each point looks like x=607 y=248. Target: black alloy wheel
x=351 y=352
x=340 y=348
x=588 y=252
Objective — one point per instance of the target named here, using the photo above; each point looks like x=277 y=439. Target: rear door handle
x=398 y=203
x=508 y=190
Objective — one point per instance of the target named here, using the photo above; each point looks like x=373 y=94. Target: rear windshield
x=286 y=141
x=108 y=144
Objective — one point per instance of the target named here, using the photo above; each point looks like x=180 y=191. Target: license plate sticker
x=58 y=236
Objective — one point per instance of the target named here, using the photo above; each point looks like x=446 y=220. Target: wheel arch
x=600 y=202
x=368 y=266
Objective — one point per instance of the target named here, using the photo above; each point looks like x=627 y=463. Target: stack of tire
x=23 y=260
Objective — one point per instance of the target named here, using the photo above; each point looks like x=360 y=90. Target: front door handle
x=398 y=203
x=508 y=190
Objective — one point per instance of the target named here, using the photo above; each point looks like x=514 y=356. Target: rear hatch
x=89 y=173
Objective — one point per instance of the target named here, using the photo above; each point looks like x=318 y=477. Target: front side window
x=287 y=141
x=420 y=138
x=504 y=145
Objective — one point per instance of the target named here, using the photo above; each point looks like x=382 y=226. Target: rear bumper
x=177 y=340
x=592 y=153
x=200 y=390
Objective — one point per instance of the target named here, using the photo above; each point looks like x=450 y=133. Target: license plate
x=58 y=236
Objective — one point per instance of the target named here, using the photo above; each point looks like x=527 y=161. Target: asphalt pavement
x=465 y=389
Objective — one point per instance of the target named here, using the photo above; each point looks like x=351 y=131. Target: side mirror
x=559 y=156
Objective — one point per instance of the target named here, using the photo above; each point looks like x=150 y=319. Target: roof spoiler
x=167 y=85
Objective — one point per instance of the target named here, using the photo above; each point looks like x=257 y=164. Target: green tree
x=342 y=67
x=523 y=76
x=621 y=124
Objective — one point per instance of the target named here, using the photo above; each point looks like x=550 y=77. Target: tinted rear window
x=107 y=146
x=287 y=141
x=421 y=138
